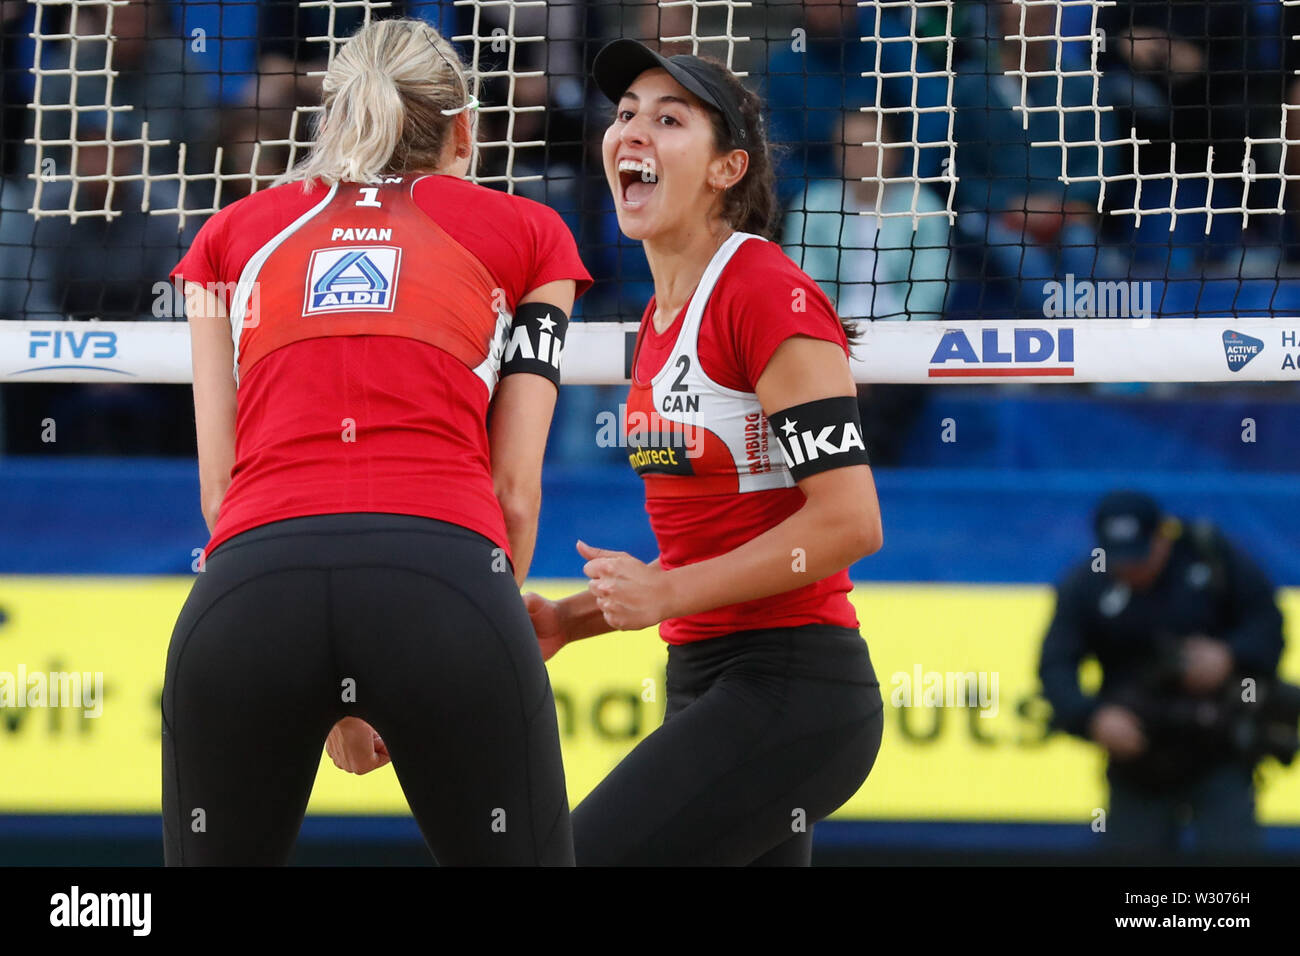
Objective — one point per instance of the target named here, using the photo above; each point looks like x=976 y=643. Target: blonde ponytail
x=384 y=96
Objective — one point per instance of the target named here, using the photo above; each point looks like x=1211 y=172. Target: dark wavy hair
x=750 y=205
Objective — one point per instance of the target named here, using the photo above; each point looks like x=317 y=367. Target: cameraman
x=1178 y=619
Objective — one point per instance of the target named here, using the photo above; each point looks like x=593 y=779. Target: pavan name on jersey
x=360 y=235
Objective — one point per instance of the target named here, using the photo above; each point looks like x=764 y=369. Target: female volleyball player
x=371 y=478
x=743 y=423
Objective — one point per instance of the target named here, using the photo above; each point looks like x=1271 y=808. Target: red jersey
x=368 y=325
x=714 y=473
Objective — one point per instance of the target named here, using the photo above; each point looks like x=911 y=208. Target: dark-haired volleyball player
x=370 y=471
x=774 y=714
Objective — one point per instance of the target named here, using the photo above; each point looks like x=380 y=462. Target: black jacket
x=1208 y=587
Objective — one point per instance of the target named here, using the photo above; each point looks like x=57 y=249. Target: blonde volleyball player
x=760 y=498
x=371 y=478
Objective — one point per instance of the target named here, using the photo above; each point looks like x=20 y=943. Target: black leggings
x=765 y=733
x=413 y=625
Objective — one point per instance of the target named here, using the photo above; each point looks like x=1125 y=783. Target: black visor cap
x=620 y=62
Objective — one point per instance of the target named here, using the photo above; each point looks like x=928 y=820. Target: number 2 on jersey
x=683 y=363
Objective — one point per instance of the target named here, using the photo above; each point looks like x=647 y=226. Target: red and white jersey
x=354 y=278
x=699 y=438
x=684 y=425
x=368 y=323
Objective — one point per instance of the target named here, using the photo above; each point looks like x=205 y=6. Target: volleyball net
x=1044 y=190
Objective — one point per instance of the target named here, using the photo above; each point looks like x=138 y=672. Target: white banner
x=598 y=353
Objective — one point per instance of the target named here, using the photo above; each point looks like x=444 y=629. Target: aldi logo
x=357 y=279
x=1004 y=353
x=1239 y=349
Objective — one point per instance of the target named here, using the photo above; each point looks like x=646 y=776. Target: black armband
x=536 y=341
x=821 y=435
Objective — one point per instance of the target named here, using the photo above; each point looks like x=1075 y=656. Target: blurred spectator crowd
x=857 y=97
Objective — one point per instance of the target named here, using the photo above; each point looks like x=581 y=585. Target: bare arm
x=517 y=430
x=573 y=618
x=212 y=351
x=579 y=617
x=578 y=614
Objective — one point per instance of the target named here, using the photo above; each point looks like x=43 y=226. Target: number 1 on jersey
x=370 y=192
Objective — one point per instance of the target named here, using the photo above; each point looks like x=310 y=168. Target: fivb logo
x=1240 y=349
x=358 y=279
x=806 y=446
x=60 y=349
x=1024 y=354
x=68 y=344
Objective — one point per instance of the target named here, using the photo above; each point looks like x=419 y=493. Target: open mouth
x=638 y=179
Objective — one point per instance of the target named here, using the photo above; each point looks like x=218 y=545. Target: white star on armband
x=534 y=341
x=788 y=427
